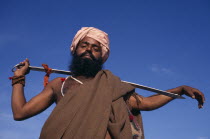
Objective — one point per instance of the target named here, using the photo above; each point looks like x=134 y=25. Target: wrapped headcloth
x=95 y=34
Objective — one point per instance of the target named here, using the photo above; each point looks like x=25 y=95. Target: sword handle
x=17 y=66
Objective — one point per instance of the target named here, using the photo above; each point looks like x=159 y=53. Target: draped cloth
x=90 y=110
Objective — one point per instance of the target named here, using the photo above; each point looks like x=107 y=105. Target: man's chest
x=68 y=86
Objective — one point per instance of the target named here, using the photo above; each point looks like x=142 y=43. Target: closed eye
x=96 y=48
x=83 y=46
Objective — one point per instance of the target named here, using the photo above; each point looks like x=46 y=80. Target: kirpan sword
x=133 y=84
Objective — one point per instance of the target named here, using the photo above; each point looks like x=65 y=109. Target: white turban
x=97 y=35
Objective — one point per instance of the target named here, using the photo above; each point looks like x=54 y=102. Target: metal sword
x=133 y=84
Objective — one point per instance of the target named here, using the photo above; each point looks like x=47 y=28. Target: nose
x=89 y=48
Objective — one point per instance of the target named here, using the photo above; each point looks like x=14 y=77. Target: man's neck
x=82 y=78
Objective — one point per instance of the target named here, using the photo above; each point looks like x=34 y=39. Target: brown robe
x=102 y=107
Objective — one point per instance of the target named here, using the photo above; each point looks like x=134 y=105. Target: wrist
x=18 y=74
x=17 y=85
x=18 y=80
x=177 y=90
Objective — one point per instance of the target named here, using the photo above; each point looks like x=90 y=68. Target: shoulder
x=56 y=80
x=55 y=86
x=55 y=83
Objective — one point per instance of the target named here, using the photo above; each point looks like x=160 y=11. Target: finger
x=203 y=97
x=199 y=95
x=199 y=99
x=21 y=64
x=200 y=102
x=26 y=61
x=189 y=92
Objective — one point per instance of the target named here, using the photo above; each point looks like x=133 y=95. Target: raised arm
x=23 y=109
x=157 y=101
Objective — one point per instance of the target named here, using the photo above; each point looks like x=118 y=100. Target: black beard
x=85 y=67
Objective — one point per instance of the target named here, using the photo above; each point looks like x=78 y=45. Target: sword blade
x=155 y=90
x=134 y=84
x=53 y=70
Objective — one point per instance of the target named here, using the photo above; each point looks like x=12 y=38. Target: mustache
x=86 y=52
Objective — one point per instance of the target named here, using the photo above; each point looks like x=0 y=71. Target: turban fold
x=95 y=34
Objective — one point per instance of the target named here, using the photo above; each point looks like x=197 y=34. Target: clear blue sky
x=158 y=43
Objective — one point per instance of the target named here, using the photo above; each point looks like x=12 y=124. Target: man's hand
x=191 y=92
x=22 y=70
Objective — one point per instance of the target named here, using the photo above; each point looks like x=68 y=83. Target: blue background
x=158 y=43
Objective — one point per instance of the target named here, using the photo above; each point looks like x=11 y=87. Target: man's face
x=89 y=48
x=87 y=60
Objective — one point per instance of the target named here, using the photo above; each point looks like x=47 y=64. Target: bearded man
x=92 y=103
